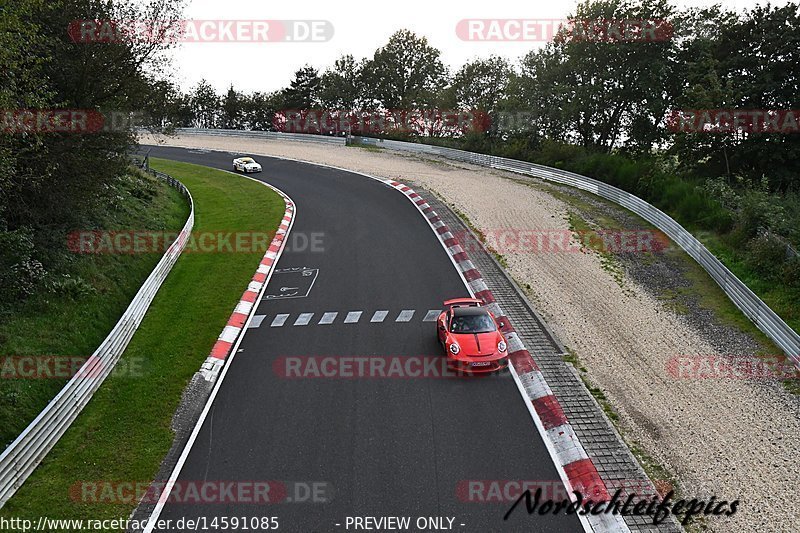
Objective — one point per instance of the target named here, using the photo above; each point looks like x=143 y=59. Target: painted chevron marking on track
x=257 y=320
x=379 y=316
x=328 y=318
x=303 y=319
x=279 y=320
x=405 y=315
x=432 y=315
x=353 y=317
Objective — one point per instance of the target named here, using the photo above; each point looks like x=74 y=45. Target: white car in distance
x=246 y=164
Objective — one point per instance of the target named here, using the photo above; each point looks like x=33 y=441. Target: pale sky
x=359 y=28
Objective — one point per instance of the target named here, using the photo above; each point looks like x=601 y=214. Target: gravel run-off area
x=737 y=439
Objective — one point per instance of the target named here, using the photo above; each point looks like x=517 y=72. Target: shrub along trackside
x=124 y=432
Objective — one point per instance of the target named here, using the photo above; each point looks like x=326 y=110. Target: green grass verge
x=784 y=300
x=73 y=323
x=367 y=147
x=124 y=432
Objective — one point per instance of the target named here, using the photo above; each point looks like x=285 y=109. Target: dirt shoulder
x=627 y=318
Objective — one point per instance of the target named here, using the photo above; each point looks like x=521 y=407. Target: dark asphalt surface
x=382 y=447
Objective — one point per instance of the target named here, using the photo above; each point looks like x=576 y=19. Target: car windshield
x=472 y=324
x=247 y=160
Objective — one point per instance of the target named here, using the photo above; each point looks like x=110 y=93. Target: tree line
x=606 y=109
x=600 y=108
x=54 y=181
x=600 y=96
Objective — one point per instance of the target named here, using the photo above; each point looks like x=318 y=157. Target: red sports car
x=471 y=337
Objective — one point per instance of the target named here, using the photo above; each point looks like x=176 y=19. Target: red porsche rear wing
x=463 y=302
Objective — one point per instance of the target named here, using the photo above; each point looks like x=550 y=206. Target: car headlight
x=455 y=348
x=501 y=346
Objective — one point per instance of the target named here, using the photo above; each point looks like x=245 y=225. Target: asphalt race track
x=376 y=447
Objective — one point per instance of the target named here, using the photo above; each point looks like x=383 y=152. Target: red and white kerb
x=568 y=453
x=241 y=313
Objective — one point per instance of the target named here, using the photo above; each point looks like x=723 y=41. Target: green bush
x=73 y=288
x=20 y=271
x=555 y=154
x=790 y=273
x=766 y=255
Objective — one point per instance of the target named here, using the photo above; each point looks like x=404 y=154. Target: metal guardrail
x=751 y=305
x=23 y=455
x=295 y=137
